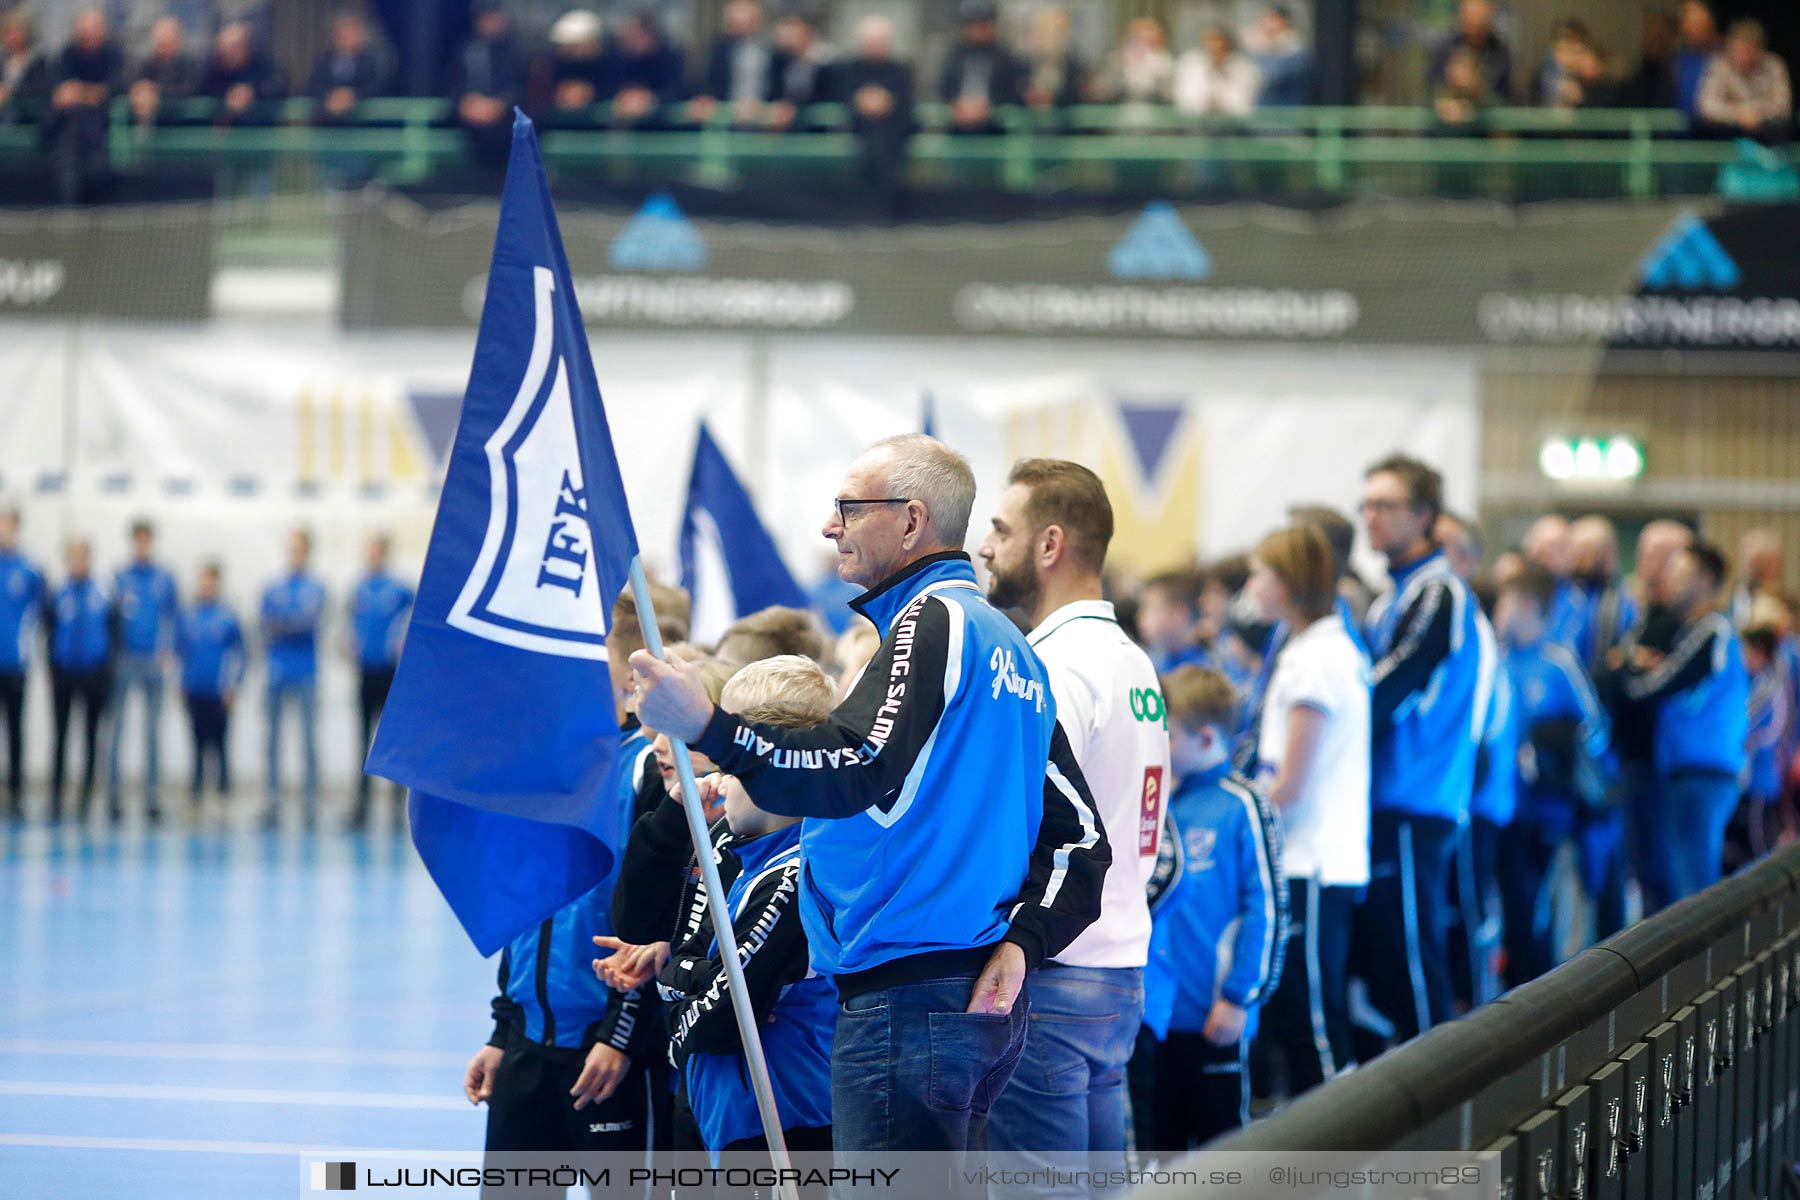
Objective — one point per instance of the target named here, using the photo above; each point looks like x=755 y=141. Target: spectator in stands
x=1699 y=42
x=1475 y=34
x=1610 y=612
x=740 y=72
x=239 y=75
x=488 y=80
x=1053 y=72
x=1585 y=80
x=1216 y=79
x=879 y=90
x=353 y=68
x=168 y=72
x=1140 y=77
x=24 y=73
x=1759 y=571
x=1463 y=95
x=1313 y=763
x=581 y=72
x=1546 y=88
x=803 y=71
x=650 y=69
x=89 y=72
x=1745 y=91
x=1220 y=925
x=1653 y=84
x=1168 y=620
x=1562 y=734
x=81 y=625
x=1658 y=542
x=1700 y=693
x=980 y=75
x=1283 y=58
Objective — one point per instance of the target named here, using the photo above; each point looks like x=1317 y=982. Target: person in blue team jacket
x=82 y=626
x=210 y=644
x=796 y=1008
x=379 y=609
x=1220 y=928
x=21 y=607
x=1699 y=692
x=292 y=608
x=145 y=593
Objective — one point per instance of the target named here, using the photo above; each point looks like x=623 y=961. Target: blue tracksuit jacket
x=83 y=626
x=1220 y=928
x=1549 y=685
x=378 y=612
x=1432 y=676
x=944 y=810
x=211 y=645
x=1700 y=693
x=21 y=604
x=291 y=610
x=1769 y=718
x=147 y=608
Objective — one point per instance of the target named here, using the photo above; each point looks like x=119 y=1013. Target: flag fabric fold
x=501 y=719
x=730 y=566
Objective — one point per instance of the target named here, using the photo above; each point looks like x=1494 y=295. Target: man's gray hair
x=926 y=470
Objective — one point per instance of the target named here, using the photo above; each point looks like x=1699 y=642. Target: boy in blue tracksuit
x=210 y=644
x=567 y=1065
x=795 y=1007
x=1219 y=928
x=1432 y=677
x=1562 y=737
x=1699 y=693
x=292 y=609
x=145 y=593
x=1491 y=810
x=82 y=627
x=379 y=608
x=21 y=606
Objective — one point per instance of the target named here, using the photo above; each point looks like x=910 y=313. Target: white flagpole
x=715 y=900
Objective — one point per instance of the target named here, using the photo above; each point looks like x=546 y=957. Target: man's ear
x=1053 y=545
x=916 y=519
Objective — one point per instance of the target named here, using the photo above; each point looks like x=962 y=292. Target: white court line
x=226 y=1053
x=59 y=1141
x=210 y=1095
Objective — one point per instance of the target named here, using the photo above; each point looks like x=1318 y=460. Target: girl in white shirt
x=1313 y=750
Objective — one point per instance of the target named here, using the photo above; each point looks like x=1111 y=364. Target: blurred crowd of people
x=765 y=72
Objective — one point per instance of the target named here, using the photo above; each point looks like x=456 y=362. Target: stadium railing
x=1332 y=151
x=1663 y=1062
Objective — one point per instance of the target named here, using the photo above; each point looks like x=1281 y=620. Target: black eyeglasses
x=843 y=505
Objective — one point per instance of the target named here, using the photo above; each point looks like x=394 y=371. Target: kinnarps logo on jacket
x=1689 y=258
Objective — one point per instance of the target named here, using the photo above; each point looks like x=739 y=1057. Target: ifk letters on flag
x=501 y=717
x=730 y=565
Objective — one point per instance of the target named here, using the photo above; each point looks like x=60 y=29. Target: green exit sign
x=1618 y=458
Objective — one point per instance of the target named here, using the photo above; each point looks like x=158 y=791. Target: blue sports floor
x=201 y=1014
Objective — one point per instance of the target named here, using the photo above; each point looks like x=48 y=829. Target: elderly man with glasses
x=950 y=841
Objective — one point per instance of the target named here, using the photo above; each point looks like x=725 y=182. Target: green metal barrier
x=1521 y=152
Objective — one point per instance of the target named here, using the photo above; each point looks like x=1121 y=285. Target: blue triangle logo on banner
x=658 y=238
x=437 y=414
x=1158 y=246
x=1151 y=430
x=1689 y=257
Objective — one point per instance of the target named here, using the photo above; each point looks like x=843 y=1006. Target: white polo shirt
x=1325 y=830
x=1111 y=707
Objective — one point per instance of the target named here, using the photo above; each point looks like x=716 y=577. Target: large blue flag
x=501 y=717
x=729 y=563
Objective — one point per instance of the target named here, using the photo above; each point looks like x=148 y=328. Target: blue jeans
x=300 y=693
x=138 y=672
x=1065 y=1106
x=1653 y=853
x=1697 y=808
x=910 y=1070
